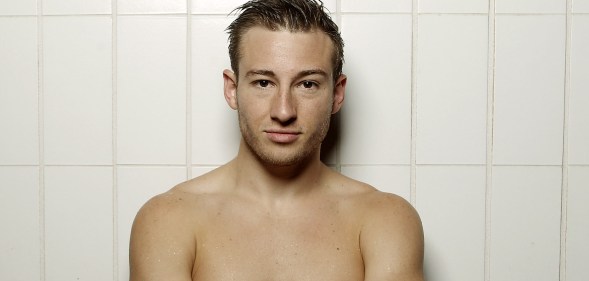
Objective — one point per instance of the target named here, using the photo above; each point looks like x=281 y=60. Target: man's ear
x=339 y=92
x=230 y=88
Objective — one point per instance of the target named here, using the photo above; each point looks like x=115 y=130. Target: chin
x=282 y=159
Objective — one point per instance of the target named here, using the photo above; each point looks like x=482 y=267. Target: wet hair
x=291 y=15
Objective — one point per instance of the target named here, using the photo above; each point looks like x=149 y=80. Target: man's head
x=290 y=15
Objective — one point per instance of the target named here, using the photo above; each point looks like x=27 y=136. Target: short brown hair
x=292 y=15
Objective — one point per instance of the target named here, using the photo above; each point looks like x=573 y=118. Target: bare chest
x=307 y=247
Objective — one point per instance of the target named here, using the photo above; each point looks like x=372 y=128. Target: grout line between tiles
x=490 y=127
x=565 y=150
x=18 y=16
x=413 y=156
x=375 y=165
x=115 y=187
x=528 y=165
x=41 y=132
x=189 y=90
x=154 y=165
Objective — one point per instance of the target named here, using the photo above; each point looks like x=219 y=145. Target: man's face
x=286 y=93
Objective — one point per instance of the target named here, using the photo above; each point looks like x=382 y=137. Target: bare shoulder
x=163 y=236
x=180 y=207
x=162 y=239
x=373 y=203
x=391 y=237
x=389 y=207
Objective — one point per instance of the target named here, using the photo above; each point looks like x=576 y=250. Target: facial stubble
x=283 y=155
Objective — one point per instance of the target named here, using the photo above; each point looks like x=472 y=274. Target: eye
x=308 y=84
x=263 y=83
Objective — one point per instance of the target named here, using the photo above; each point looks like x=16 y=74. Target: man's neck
x=263 y=180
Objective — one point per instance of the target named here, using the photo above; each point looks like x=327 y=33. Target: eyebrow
x=301 y=74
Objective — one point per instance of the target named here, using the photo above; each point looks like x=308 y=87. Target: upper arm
x=162 y=242
x=391 y=241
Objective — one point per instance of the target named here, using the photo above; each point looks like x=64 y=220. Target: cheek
x=251 y=112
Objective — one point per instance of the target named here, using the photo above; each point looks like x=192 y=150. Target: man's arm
x=162 y=241
x=391 y=241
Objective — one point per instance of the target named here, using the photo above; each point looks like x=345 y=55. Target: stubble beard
x=291 y=154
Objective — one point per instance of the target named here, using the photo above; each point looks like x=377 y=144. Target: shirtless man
x=275 y=212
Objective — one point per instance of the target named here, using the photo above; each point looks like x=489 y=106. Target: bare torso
x=207 y=230
x=315 y=238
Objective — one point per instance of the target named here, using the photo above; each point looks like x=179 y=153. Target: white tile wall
x=454 y=237
x=380 y=6
x=452 y=92
x=78 y=223
x=525 y=223
x=136 y=185
x=151 y=103
x=151 y=6
x=377 y=109
x=61 y=77
x=215 y=130
x=76 y=7
x=21 y=7
x=453 y=6
x=577 y=247
x=579 y=97
x=580 y=6
x=529 y=90
x=19 y=144
x=391 y=179
x=19 y=217
x=530 y=6
x=78 y=90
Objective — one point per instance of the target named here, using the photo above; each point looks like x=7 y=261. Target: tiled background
x=477 y=111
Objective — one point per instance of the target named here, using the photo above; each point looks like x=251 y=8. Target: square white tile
x=525 y=223
x=453 y=6
x=215 y=129
x=391 y=179
x=19 y=216
x=530 y=6
x=577 y=247
x=76 y=7
x=151 y=96
x=580 y=6
x=380 y=6
x=22 y=7
x=376 y=117
x=579 y=92
x=452 y=89
x=451 y=203
x=19 y=109
x=78 y=223
x=529 y=90
x=151 y=7
x=136 y=185
x=78 y=90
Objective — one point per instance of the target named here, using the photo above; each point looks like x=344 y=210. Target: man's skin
x=276 y=212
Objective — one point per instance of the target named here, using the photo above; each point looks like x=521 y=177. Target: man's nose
x=283 y=107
